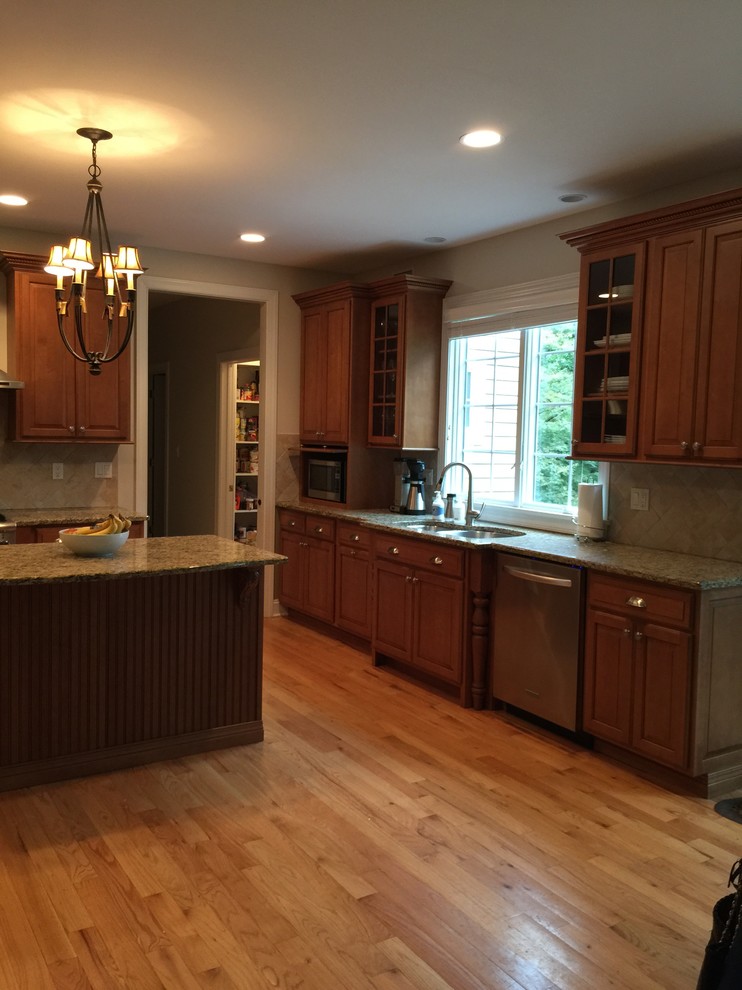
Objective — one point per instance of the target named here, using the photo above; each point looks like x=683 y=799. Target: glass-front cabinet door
x=386 y=372
x=607 y=360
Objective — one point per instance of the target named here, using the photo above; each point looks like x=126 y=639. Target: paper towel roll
x=589 y=521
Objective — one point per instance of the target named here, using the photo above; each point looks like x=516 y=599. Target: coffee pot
x=415 y=499
x=415 y=503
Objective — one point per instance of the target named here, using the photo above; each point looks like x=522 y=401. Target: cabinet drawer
x=642 y=599
x=419 y=553
x=351 y=535
x=293 y=521
x=320 y=527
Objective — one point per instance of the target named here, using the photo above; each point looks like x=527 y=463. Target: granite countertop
x=60 y=517
x=678 y=569
x=41 y=563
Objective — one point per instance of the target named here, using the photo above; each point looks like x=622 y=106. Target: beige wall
x=518 y=256
x=25 y=469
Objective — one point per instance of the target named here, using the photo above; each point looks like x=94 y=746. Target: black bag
x=722 y=961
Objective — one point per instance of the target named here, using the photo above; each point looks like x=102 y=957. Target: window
x=509 y=396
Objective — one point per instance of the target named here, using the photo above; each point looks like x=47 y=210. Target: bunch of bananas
x=113 y=524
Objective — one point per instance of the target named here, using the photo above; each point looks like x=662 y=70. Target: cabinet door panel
x=313 y=381
x=608 y=685
x=661 y=686
x=46 y=406
x=719 y=402
x=671 y=344
x=102 y=401
x=353 y=592
x=393 y=611
x=337 y=373
x=319 y=578
x=291 y=573
x=437 y=634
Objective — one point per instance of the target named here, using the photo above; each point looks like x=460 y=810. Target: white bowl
x=85 y=545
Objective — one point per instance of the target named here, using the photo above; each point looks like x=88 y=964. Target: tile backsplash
x=691 y=509
x=26 y=472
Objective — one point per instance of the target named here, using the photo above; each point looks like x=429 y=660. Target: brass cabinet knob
x=636 y=601
x=394 y=550
x=697 y=447
x=356 y=538
x=436 y=560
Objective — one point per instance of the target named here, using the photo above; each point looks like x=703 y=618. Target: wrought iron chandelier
x=76 y=262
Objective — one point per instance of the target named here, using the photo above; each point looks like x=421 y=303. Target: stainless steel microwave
x=325 y=477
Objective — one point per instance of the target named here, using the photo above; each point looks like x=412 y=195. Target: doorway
x=134 y=463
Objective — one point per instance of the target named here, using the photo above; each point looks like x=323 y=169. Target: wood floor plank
x=381 y=837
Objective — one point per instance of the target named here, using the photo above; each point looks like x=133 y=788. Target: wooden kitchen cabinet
x=692 y=384
x=607 y=358
x=306 y=582
x=419 y=607
x=334 y=362
x=61 y=401
x=685 y=342
x=353 y=587
x=406 y=317
x=50 y=534
x=638 y=667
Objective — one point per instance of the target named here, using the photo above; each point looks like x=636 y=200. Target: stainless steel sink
x=485 y=534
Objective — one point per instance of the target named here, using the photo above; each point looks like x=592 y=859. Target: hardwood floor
x=381 y=837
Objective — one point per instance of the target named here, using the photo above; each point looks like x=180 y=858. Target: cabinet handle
x=394 y=550
x=408 y=578
x=416 y=580
x=697 y=447
x=437 y=561
x=303 y=544
x=292 y=523
x=627 y=631
x=638 y=635
x=356 y=538
x=71 y=429
x=636 y=601
x=319 y=529
x=575 y=442
x=81 y=429
x=352 y=553
x=684 y=445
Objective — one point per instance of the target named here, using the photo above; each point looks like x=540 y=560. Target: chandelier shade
x=117 y=270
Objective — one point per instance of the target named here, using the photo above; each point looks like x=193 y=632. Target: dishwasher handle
x=537 y=578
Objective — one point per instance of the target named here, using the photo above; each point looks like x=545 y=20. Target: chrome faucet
x=471 y=515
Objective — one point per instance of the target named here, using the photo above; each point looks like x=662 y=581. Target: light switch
x=103 y=469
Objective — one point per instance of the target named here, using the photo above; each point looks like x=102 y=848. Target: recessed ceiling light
x=252 y=238
x=573 y=197
x=481 y=139
x=434 y=240
x=10 y=200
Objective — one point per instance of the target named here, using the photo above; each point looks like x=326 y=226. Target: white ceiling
x=332 y=125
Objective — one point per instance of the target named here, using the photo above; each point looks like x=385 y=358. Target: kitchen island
x=107 y=662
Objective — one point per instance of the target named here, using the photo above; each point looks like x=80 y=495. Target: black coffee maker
x=415 y=505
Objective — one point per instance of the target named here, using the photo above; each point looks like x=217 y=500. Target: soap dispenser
x=437 y=507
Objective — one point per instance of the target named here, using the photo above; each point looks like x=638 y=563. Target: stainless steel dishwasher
x=537 y=643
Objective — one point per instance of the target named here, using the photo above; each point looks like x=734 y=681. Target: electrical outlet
x=103 y=469
x=57 y=471
x=640 y=499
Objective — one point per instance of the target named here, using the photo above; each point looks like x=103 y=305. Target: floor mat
x=730 y=808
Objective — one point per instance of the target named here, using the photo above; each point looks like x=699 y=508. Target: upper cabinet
x=667 y=388
x=607 y=369
x=406 y=317
x=334 y=362
x=61 y=401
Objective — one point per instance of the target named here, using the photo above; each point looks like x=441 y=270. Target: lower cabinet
x=50 y=534
x=306 y=581
x=353 y=585
x=638 y=668
x=419 y=607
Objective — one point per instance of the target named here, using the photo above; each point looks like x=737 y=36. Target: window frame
x=516 y=307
